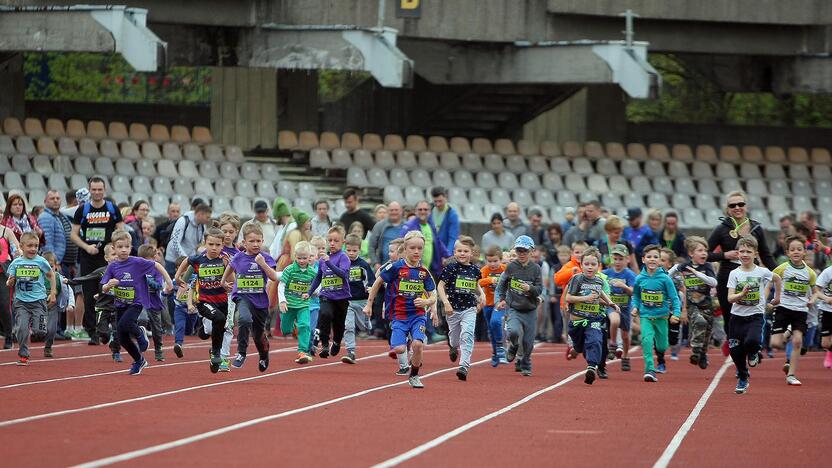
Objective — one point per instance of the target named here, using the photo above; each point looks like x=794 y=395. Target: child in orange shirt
x=568 y=270
x=494 y=318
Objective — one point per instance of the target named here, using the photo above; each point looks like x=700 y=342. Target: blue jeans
x=183 y=322
x=128 y=329
x=252 y=319
x=494 y=318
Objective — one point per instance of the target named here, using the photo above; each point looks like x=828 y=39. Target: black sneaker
x=511 y=353
x=94 y=342
x=177 y=350
x=589 y=377
x=349 y=358
x=754 y=361
x=200 y=332
x=650 y=377
x=703 y=361
x=517 y=367
x=324 y=352
x=453 y=353
x=694 y=359
x=263 y=364
x=625 y=364
x=8 y=343
x=404 y=371
x=159 y=355
x=334 y=349
x=462 y=373
x=216 y=360
x=602 y=373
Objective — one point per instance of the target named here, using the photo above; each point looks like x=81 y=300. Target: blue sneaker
x=137 y=367
x=117 y=357
x=238 y=361
x=495 y=361
x=742 y=386
x=142 y=340
x=661 y=368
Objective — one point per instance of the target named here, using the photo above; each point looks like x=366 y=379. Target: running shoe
x=674 y=357
x=239 y=360
x=141 y=340
x=216 y=360
x=303 y=358
x=571 y=353
x=177 y=350
x=526 y=372
x=263 y=364
x=334 y=349
x=159 y=355
x=650 y=376
x=694 y=358
x=792 y=380
x=349 y=358
x=8 y=343
x=754 y=361
x=501 y=355
x=453 y=353
x=495 y=361
x=827 y=361
x=403 y=370
x=324 y=352
x=415 y=382
x=517 y=367
x=462 y=373
x=803 y=350
x=511 y=353
x=703 y=361
x=786 y=367
x=619 y=352
x=589 y=377
x=602 y=373
x=742 y=386
x=224 y=366
x=117 y=357
x=137 y=367
x=661 y=368
x=625 y=364
x=47 y=353
x=23 y=360
x=610 y=354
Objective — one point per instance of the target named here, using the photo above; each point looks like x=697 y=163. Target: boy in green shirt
x=293 y=297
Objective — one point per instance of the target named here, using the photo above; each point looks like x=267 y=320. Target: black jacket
x=720 y=237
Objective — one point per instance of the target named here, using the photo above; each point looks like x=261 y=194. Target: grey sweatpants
x=461 y=333
x=29 y=314
x=355 y=318
x=522 y=325
x=154 y=319
x=52 y=324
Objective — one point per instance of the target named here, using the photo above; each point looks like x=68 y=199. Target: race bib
x=465 y=284
x=693 y=282
x=620 y=299
x=332 y=282
x=652 y=298
x=95 y=234
x=517 y=286
x=28 y=273
x=124 y=293
x=588 y=308
x=250 y=284
x=211 y=271
x=355 y=274
x=795 y=287
x=411 y=287
x=297 y=288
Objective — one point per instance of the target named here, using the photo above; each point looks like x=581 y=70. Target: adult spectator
x=321 y=222
x=8 y=241
x=57 y=229
x=188 y=233
x=92 y=227
x=670 y=236
x=535 y=228
x=16 y=218
x=568 y=219
x=435 y=251
x=637 y=234
x=383 y=233
x=444 y=217
x=285 y=224
x=787 y=229
x=139 y=214
x=263 y=218
x=163 y=230
x=380 y=212
x=554 y=236
x=614 y=229
x=817 y=240
x=722 y=247
x=301 y=232
x=590 y=227
x=513 y=223
x=498 y=235
x=353 y=213
x=72 y=202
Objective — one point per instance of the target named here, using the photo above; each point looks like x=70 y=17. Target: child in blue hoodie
x=654 y=299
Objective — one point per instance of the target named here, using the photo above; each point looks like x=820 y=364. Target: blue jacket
x=655 y=295
x=53 y=231
x=440 y=252
x=449 y=230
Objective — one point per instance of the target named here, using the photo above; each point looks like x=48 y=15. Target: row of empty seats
x=115 y=149
x=329 y=141
x=85 y=166
x=98 y=130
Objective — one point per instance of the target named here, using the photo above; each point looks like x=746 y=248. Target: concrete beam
x=803 y=75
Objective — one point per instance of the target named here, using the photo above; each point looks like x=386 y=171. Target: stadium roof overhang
x=554 y=62
x=336 y=47
x=83 y=28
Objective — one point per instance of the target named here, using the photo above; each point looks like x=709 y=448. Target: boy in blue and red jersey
x=410 y=293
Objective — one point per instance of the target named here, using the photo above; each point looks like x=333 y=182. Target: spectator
x=139 y=214
x=614 y=228
x=263 y=219
x=513 y=223
x=786 y=229
x=163 y=231
x=7 y=242
x=37 y=210
x=57 y=228
x=444 y=217
x=353 y=213
x=637 y=234
x=817 y=237
x=569 y=219
x=321 y=222
x=671 y=237
x=590 y=227
x=357 y=229
x=188 y=233
x=435 y=251
x=302 y=232
x=380 y=212
x=92 y=227
x=72 y=202
x=285 y=224
x=554 y=236
x=383 y=233
x=535 y=228
x=654 y=222
x=497 y=236
x=16 y=218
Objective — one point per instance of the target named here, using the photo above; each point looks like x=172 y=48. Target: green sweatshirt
x=655 y=295
x=296 y=281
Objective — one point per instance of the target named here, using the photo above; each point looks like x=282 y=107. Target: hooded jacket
x=721 y=237
x=655 y=295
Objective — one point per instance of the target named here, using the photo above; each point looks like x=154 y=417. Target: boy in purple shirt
x=250 y=270
x=333 y=277
x=127 y=277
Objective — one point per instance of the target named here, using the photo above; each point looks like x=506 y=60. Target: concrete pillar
x=297 y=100
x=594 y=113
x=12 y=86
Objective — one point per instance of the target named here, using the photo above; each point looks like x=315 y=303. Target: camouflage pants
x=701 y=326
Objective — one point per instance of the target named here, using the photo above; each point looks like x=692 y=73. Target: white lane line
x=90 y=356
x=688 y=424
x=241 y=425
x=122 y=371
x=12 y=422
x=61 y=345
x=416 y=451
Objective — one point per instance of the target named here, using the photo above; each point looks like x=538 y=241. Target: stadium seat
x=26 y=145
x=538 y=164
x=516 y=164
x=657 y=200
x=801 y=203
x=234 y=154
x=678 y=169
x=167 y=169
x=752 y=154
x=202 y=135
x=606 y=167
x=705 y=201
x=683 y=185
x=802 y=188
x=57 y=181
x=611 y=200
x=702 y=170
x=450 y=161
x=229 y=170
x=242 y=205
x=779 y=187
x=500 y=197
x=530 y=181
x=821 y=156
x=88 y=147
x=654 y=168
x=473 y=214
x=637 y=151
x=350 y=141
x=123 y=184
x=825 y=203
x=150 y=150
x=372 y=142
x=205 y=188
x=472 y=162
x=442 y=178
x=245 y=188
x=730 y=185
x=729 y=154
x=597 y=184
x=251 y=171
x=288 y=140
x=33 y=127
x=560 y=165
x=13 y=181
x=341 y=159
x=214 y=153
x=582 y=166
x=306 y=190
x=184 y=186
x=464 y=179
x=78 y=180
x=543 y=197
x=162 y=185
x=222 y=204
x=267 y=171
x=392 y=193
x=75 y=129
x=34 y=181
x=399 y=177
x=406 y=159
x=138 y=132
x=481 y=146
x=641 y=184
x=774 y=171
x=566 y=199
x=437 y=144
x=799 y=171
x=549 y=149
x=363 y=158
x=96 y=130
x=527 y=148
x=494 y=163
x=486 y=180
x=504 y=147
x=712 y=216
x=140 y=184
x=756 y=187
x=750 y=171
x=594 y=150
x=117 y=131
x=83 y=165
x=46 y=145
x=42 y=164
x=393 y=142
x=573 y=149
x=143 y=167
x=130 y=150
x=680 y=201
x=159 y=204
x=385 y=159
x=192 y=152
x=265 y=189
x=693 y=218
x=7 y=145
x=681 y=153
x=413 y=195
x=420 y=178
x=120 y=197
x=575 y=183
x=12 y=127
x=457 y=196
x=552 y=181
x=777 y=203
x=618 y=184
x=706 y=153
x=658 y=152
x=725 y=170
x=67 y=146
x=507 y=180
x=428 y=160
x=62 y=165
x=460 y=145
x=319 y=158
x=180 y=134
x=171 y=151
x=416 y=143
x=5 y=166
x=821 y=172
x=185 y=201
x=775 y=154
x=109 y=148
x=21 y=163
x=522 y=196
x=104 y=166
x=631 y=168
x=797 y=155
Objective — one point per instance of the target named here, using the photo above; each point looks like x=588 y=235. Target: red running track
x=337 y=414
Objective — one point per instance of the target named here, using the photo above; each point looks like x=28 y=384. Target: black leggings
x=725 y=269
x=332 y=319
x=745 y=340
x=5 y=309
x=217 y=315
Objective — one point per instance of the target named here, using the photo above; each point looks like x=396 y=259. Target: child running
x=674 y=336
x=798 y=285
x=333 y=278
x=585 y=296
x=318 y=244
x=210 y=296
x=747 y=287
x=26 y=275
x=410 y=293
x=823 y=297
x=518 y=289
x=249 y=271
x=460 y=293
x=153 y=313
x=361 y=278
x=621 y=280
x=395 y=251
x=699 y=279
x=654 y=299
x=293 y=298
x=184 y=314
x=490 y=276
x=105 y=306
x=127 y=277
x=65 y=299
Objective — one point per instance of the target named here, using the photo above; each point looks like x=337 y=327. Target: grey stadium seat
x=544 y=197
x=618 y=184
x=799 y=171
x=420 y=178
x=552 y=181
x=726 y=170
x=507 y=180
x=221 y=204
x=183 y=200
x=530 y=181
x=143 y=167
x=233 y=153
x=35 y=181
x=319 y=158
x=702 y=170
x=204 y=187
x=245 y=188
x=266 y=189
x=307 y=190
x=653 y=168
x=250 y=171
x=214 y=153
x=109 y=148
x=516 y=164
x=442 y=178
x=705 y=201
x=538 y=164
x=657 y=200
x=150 y=150
x=406 y=159
x=680 y=201
x=341 y=159
x=356 y=177
x=171 y=151
x=130 y=150
x=500 y=197
x=663 y=185
x=224 y=188
x=774 y=171
x=26 y=145
x=105 y=166
x=684 y=185
x=821 y=172
x=566 y=198
x=124 y=184
x=393 y=193
x=606 y=167
x=486 y=180
x=159 y=204
x=7 y=145
x=120 y=197
x=450 y=161
x=192 y=152
x=575 y=183
x=162 y=185
x=428 y=160
x=560 y=165
x=21 y=163
x=802 y=188
x=750 y=171
x=141 y=184
x=582 y=166
x=88 y=147
x=269 y=171
x=641 y=184
x=801 y=203
x=473 y=214
x=413 y=195
x=611 y=200
x=286 y=189
x=377 y=177
x=363 y=158
x=42 y=164
x=57 y=181
x=779 y=187
x=457 y=196
x=229 y=170
x=630 y=168
x=756 y=187
x=385 y=159
x=678 y=169
x=83 y=165
x=125 y=167
x=67 y=146
x=399 y=177
x=494 y=163
x=472 y=162
x=167 y=168
x=209 y=169
x=522 y=196
x=76 y=181
x=597 y=184
x=62 y=164
x=183 y=185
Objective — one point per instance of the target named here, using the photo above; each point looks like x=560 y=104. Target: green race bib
x=411 y=287
x=355 y=274
x=588 y=307
x=652 y=298
x=94 y=234
x=28 y=272
x=517 y=286
x=620 y=299
x=211 y=272
x=251 y=284
x=693 y=281
x=465 y=284
x=298 y=288
x=332 y=282
x=795 y=287
x=127 y=293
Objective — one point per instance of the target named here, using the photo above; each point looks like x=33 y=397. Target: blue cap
x=524 y=242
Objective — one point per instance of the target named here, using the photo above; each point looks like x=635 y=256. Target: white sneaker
x=792 y=380
x=415 y=382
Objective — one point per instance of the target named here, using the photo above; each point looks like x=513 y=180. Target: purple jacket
x=440 y=252
x=333 y=277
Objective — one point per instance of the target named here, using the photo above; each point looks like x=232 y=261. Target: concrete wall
x=719 y=134
x=244 y=106
x=594 y=113
x=12 y=86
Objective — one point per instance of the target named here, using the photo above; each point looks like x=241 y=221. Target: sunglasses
x=519 y=250
x=736 y=205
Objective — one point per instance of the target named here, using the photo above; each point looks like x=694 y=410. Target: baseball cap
x=82 y=195
x=620 y=249
x=633 y=213
x=260 y=206
x=524 y=242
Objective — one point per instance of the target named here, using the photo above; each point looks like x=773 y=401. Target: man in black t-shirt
x=92 y=227
x=354 y=213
